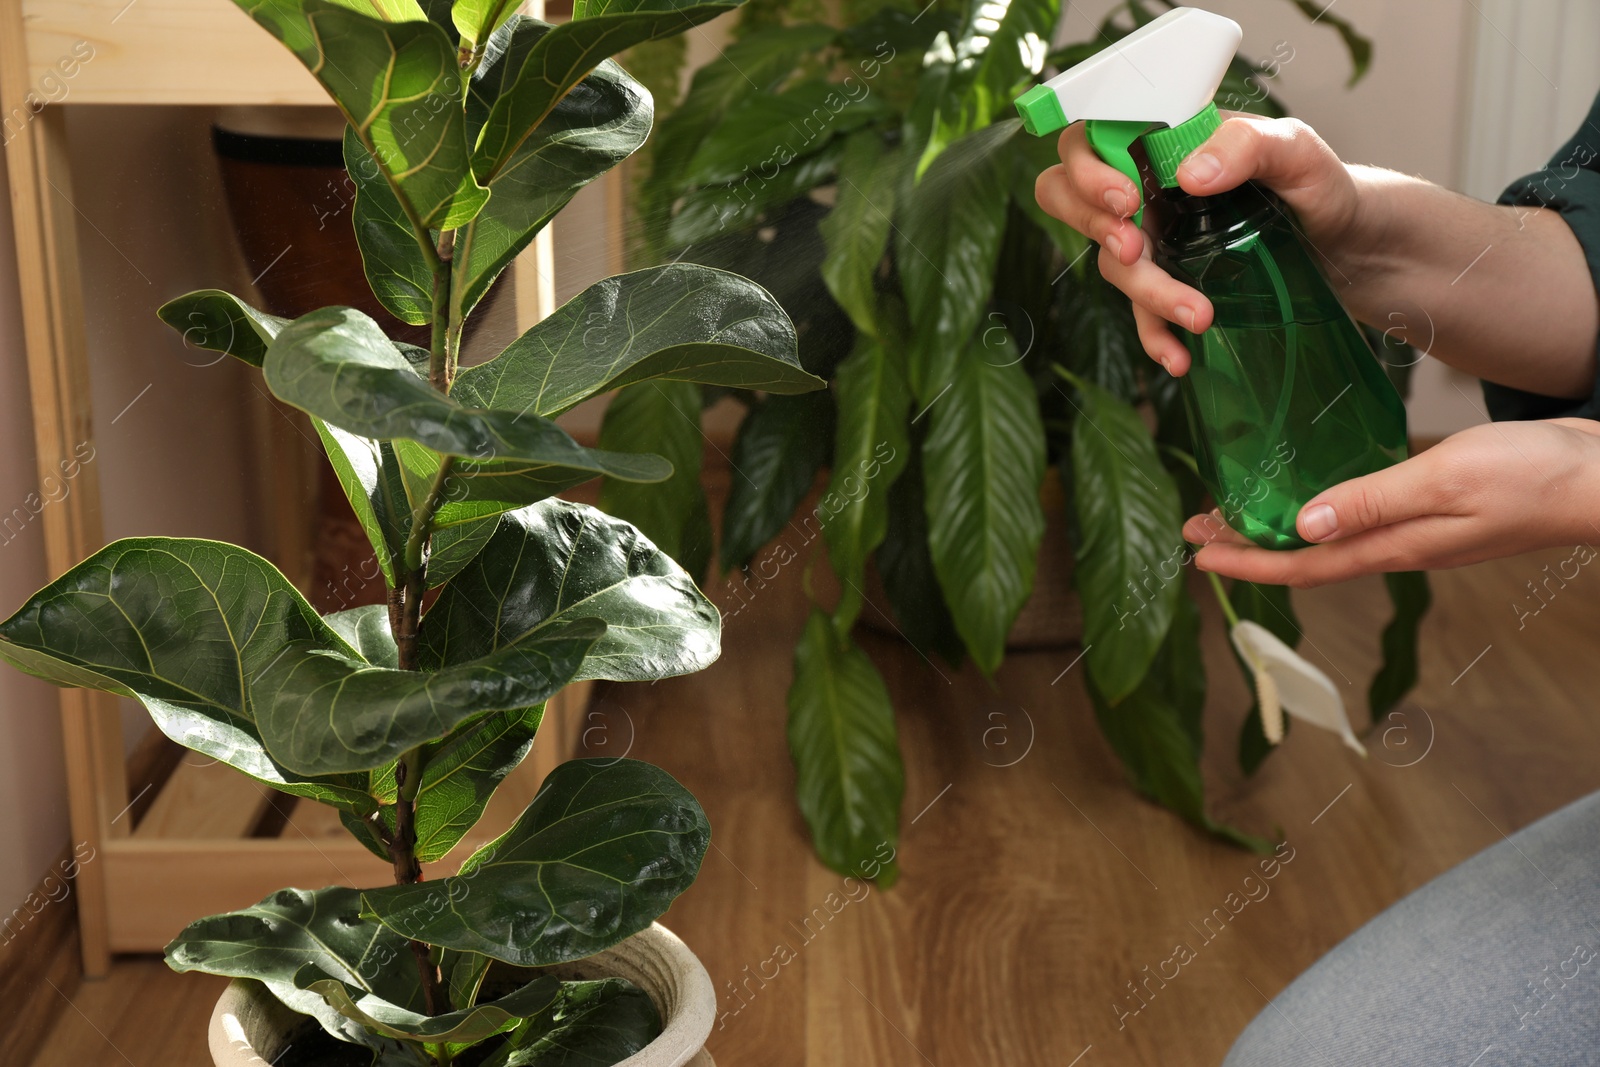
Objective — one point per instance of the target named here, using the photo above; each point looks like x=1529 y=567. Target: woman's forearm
x=1503 y=293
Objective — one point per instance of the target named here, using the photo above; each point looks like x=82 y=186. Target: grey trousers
x=1493 y=963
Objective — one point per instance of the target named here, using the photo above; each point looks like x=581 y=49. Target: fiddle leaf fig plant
x=468 y=128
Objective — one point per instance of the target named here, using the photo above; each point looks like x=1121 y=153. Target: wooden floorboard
x=1034 y=893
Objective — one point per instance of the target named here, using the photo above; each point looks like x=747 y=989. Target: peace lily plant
x=862 y=159
x=469 y=128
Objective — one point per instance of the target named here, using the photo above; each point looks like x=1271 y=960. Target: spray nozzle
x=1163 y=74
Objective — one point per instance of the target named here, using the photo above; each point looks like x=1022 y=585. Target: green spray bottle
x=1284 y=396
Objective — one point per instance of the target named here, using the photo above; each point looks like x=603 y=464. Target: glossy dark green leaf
x=984 y=463
x=601 y=121
x=871 y=448
x=661 y=417
x=857 y=229
x=920 y=612
x=317 y=942
x=846 y=750
x=366 y=629
x=1155 y=729
x=1411 y=597
x=680 y=322
x=1034 y=155
x=708 y=212
x=461 y=773
x=1271 y=607
x=946 y=249
x=1130 y=553
x=782 y=444
x=539 y=76
x=556 y=563
x=399 y=87
x=758 y=62
x=1101 y=342
x=603 y=849
x=223 y=650
x=220 y=322
x=475 y=20
x=337 y=365
x=369 y=474
x=977 y=74
x=457 y=1029
x=185 y=627
x=591 y=1024
x=397 y=270
x=764 y=132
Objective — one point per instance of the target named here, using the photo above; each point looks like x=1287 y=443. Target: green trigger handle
x=1110 y=139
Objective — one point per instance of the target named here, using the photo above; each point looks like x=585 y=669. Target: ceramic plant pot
x=250 y=1028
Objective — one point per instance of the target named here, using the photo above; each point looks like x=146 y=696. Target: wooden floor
x=1034 y=892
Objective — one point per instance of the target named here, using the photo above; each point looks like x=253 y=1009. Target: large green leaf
x=857 y=229
x=399 y=87
x=985 y=462
x=1033 y=156
x=1411 y=597
x=371 y=475
x=461 y=772
x=850 y=780
x=870 y=450
x=680 y=322
x=603 y=849
x=661 y=417
x=555 y=563
x=768 y=131
x=1102 y=343
x=398 y=273
x=782 y=444
x=975 y=77
x=601 y=121
x=187 y=627
x=591 y=1024
x=921 y=614
x=539 y=75
x=318 y=943
x=711 y=211
x=1155 y=730
x=337 y=365
x=1130 y=552
x=220 y=322
x=946 y=248
x=475 y=20
x=760 y=63
x=223 y=650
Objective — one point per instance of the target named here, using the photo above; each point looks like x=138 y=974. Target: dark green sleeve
x=1570 y=184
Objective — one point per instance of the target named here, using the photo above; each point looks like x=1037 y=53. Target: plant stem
x=441 y=358
x=1222 y=598
x=405 y=619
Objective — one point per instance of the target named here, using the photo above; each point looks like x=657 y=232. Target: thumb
x=1405 y=491
x=1284 y=154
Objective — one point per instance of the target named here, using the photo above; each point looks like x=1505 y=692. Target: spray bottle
x=1284 y=396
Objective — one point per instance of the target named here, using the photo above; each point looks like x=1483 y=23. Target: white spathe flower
x=1286 y=682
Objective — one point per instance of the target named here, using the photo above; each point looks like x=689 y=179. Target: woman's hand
x=1095 y=199
x=1490 y=491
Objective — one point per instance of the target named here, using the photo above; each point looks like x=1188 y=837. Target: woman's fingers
x=1424 y=543
x=1152 y=288
x=1407 y=490
x=1156 y=337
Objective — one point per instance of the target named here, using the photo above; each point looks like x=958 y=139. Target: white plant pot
x=251 y=1028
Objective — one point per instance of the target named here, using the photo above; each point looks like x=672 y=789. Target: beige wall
x=31 y=781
